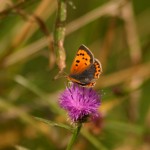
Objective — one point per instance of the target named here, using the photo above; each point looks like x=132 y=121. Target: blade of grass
x=51 y=123
x=93 y=140
x=30 y=86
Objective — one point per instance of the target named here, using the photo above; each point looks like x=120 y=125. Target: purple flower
x=80 y=102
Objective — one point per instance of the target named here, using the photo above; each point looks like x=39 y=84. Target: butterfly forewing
x=84 y=59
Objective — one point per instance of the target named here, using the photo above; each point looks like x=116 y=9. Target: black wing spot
x=86 y=64
x=86 y=59
x=77 y=54
x=82 y=57
x=98 y=70
x=97 y=74
x=81 y=54
x=76 y=64
x=97 y=66
x=77 y=61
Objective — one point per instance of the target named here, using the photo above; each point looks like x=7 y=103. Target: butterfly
x=85 y=68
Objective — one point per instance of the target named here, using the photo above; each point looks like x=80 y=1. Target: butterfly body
x=85 y=68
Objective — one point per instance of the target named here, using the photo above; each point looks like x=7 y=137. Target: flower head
x=80 y=102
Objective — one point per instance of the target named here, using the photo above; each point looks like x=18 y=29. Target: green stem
x=74 y=136
x=59 y=34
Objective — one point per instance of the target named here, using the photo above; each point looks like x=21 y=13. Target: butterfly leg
x=90 y=84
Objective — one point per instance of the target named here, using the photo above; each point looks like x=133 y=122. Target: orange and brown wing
x=83 y=59
x=98 y=68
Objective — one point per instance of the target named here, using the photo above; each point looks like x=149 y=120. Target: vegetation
x=38 y=41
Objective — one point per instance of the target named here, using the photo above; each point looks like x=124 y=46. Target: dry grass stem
x=107 y=43
x=24 y=53
x=111 y=9
x=135 y=54
x=131 y=33
x=4 y=4
x=71 y=27
x=141 y=71
x=29 y=27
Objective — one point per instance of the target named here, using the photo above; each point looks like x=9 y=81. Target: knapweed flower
x=80 y=102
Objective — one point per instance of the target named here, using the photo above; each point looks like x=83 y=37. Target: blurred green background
x=118 y=34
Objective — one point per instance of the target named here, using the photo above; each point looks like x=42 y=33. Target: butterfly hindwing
x=98 y=68
x=84 y=58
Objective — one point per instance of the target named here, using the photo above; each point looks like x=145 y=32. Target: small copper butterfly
x=85 y=68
